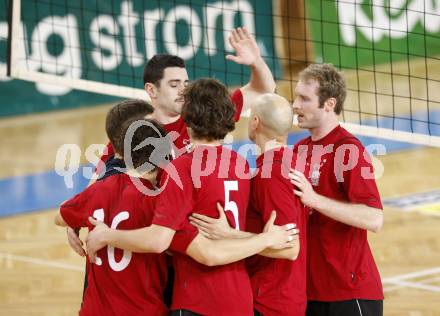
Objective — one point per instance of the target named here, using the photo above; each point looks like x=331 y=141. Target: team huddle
x=179 y=224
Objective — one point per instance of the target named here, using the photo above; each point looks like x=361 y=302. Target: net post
x=14 y=18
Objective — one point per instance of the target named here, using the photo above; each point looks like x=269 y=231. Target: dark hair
x=208 y=109
x=120 y=113
x=331 y=83
x=153 y=71
x=156 y=152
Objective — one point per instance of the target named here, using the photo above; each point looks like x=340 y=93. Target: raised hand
x=246 y=48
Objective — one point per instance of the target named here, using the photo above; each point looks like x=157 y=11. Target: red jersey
x=340 y=262
x=121 y=283
x=179 y=132
x=220 y=290
x=279 y=285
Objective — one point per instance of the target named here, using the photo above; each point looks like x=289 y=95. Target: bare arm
x=151 y=239
x=73 y=234
x=223 y=251
x=261 y=81
x=287 y=253
x=248 y=53
x=75 y=242
x=59 y=220
x=218 y=252
x=219 y=229
x=356 y=215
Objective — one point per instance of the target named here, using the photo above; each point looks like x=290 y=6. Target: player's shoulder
x=110 y=181
x=273 y=166
x=282 y=155
x=344 y=137
x=238 y=165
x=99 y=185
x=184 y=161
x=303 y=142
x=177 y=168
x=233 y=154
x=99 y=192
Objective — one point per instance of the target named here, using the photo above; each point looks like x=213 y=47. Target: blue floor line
x=36 y=192
x=47 y=189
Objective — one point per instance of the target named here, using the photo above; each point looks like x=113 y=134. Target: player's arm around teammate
x=156 y=239
x=206 y=101
x=117 y=200
x=279 y=286
x=219 y=229
x=115 y=118
x=261 y=81
x=270 y=121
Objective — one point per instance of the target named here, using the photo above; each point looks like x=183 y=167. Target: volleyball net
x=388 y=50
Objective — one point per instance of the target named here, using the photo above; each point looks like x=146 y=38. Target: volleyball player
x=114 y=120
x=279 y=285
x=338 y=186
x=122 y=282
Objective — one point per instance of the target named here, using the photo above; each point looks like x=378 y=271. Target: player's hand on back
x=75 y=242
x=96 y=238
x=280 y=236
x=213 y=228
x=246 y=48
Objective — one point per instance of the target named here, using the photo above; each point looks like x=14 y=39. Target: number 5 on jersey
x=231 y=205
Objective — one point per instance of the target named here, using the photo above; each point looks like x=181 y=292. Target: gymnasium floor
x=40 y=275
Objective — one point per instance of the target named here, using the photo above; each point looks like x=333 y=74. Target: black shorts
x=346 y=308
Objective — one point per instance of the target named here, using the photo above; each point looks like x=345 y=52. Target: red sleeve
x=358 y=182
x=183 y=238
x=108 y=152
x=175 y=202
x=237 y=99
x=74 y=211
x=275 y=193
